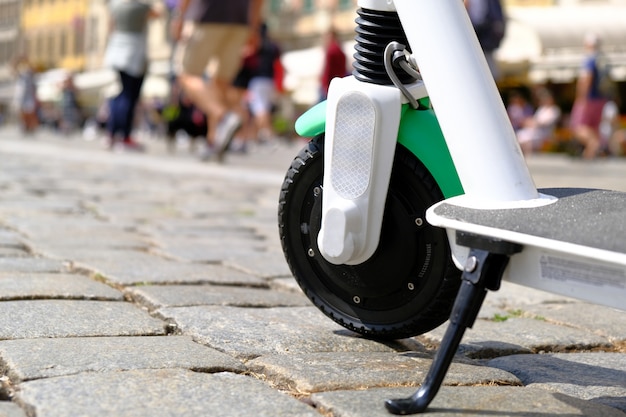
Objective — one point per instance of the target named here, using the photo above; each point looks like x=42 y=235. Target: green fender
x=419 y=132
x=313 y=121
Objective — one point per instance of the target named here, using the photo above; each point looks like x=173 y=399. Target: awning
x=95 y=80
x=97 y=84
x=547 y=42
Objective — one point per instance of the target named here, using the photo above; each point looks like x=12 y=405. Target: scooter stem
x=473 y=118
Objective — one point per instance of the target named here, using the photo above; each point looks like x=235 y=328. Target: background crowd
x=236 y=101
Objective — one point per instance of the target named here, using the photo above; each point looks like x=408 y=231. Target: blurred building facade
x=543 y=42
x=10 y=12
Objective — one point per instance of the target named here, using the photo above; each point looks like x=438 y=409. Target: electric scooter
x=413 y=198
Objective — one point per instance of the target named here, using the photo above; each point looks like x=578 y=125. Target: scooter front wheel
x=407 y=287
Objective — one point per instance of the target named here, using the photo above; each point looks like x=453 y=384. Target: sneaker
x=131 y=145
x=239 y=145
x=206 y=154
x=225 y=131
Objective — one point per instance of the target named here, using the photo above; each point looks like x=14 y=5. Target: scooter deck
x=579 y=241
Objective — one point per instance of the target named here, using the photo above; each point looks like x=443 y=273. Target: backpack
x=606 y=85
x=490 y=31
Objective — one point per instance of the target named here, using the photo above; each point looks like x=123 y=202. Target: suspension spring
x=375 y=29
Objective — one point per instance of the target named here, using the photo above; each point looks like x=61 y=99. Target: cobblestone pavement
x=154 y=285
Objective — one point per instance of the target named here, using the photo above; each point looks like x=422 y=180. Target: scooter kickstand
x=483 y=270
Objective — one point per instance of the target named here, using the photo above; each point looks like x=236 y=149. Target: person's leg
x=131 y=88
x=617 y=143
x=223 y=43
x=196 y=48
x=118 y=111
x=238 y=100
x=590 y=140
x=112 y=122
x=30 y=121
x=262 y=97
x=122 y=109
x=587 y=132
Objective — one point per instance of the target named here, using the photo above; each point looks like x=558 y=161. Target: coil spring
x=375 y=29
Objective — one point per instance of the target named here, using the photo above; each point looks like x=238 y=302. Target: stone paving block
x=598 y=376
x=45 y=285
x=489 y=311
x=10 y=238
x=264 y=264
x=211 y=226
x=286 y=284
x=10 y=409
x=25 y=206
x=199 y=227
x=116 y=210
x=159 y=393
x=601 y=320
x=519 y=335
x=512 y=296
x=79 y=254
x=463 y=402
x=204 y=251
x=316 y=372
x=250 y=332
x=71 y=318
x=64 y=245
x=13 y=252
x=31 y=264
x=157 y=296
x=84 y=254
x=130 y=268
x=29 y=359
x=61 y=226
x=112 y=239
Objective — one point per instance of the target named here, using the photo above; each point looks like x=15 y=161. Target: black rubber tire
x=407 y=287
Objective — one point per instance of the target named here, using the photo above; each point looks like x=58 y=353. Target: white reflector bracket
x=359 y=150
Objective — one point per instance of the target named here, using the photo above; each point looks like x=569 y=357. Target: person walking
x=540 y=127
x=589 y=101
x=262 y=89
x=489 y=22
x=518 y=109
x=127 y=53
x=26 y=95
x=214 y=30
x=334 y=62
x=71 y=114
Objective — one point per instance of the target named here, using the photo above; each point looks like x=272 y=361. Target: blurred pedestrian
x=489 y=22
x=127 y=53
x=519 y=109
x=589 y=101
x=540 y=127
x=26 y=101
x=181 y=115
x=215 y=30
x=617 y=143
x=334 y=61
x=71 y=114
x=238 y=98
x=612 y=134
x=263 y=90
